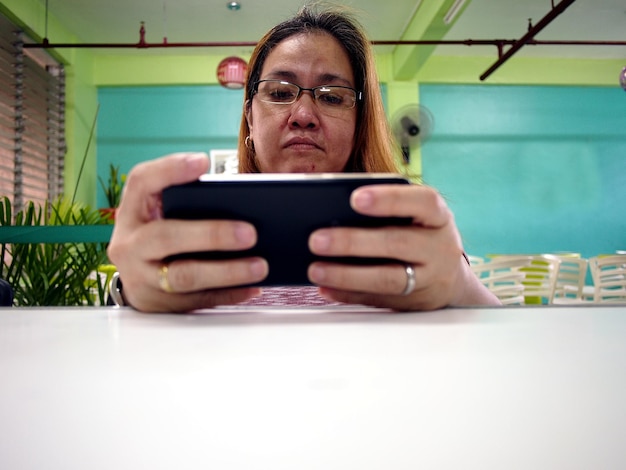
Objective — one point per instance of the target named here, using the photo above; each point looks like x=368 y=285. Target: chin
x=301 y=164
x=309 y=169
x=310 y=166
x=301 y=167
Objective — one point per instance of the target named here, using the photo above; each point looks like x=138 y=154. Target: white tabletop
x=514 y=388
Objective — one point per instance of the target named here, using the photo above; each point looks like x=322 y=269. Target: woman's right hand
x=142 y=240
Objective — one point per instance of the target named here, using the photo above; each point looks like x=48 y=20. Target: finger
x=163 y=238
x=398 y=303
x=146 y=181
x=423 y=204
x=170 y=303
x=188 y=276
x=402 y=243
x=386 y=279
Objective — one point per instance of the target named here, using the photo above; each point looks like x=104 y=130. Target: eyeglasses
x=329 y=97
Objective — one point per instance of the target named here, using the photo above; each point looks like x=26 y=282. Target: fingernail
x=317 y=274
x=244 y=234
x=320 y=242
x=258 y=268
x=363 y=199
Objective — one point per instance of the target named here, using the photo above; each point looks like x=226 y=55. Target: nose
x=304 y=112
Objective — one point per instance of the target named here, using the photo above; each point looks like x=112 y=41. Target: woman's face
x=304 y=136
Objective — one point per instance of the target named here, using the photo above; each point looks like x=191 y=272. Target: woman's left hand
x=431 y=245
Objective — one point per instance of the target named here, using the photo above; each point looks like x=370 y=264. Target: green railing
x=56 y=234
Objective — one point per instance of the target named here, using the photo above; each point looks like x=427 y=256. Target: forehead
x=310 y=56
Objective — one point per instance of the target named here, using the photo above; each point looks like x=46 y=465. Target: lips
x=302 y=143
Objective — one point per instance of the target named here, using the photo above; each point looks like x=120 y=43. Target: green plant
x=53 y=274
x=113 y=187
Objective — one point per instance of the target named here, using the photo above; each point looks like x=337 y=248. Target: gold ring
x=164 y=282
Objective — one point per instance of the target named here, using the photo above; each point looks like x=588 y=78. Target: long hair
x=373 y=143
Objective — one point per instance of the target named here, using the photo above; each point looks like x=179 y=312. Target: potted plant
x=112 y=190
x=53 y=274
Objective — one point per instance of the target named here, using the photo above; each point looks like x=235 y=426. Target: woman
x=312 y=104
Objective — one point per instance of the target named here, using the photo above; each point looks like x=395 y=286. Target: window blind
x=32 y=121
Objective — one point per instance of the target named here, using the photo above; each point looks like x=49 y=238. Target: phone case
x=285 y=209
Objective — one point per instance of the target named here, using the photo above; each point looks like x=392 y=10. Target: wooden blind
x=32 y=121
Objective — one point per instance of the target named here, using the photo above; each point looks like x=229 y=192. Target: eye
x=282 y=93
x=330 y=96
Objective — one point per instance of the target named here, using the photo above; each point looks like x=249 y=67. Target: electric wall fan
x=411 y=126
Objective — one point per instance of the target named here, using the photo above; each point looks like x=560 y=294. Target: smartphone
x=285 y=209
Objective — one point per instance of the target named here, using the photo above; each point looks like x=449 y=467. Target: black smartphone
x=285 y=209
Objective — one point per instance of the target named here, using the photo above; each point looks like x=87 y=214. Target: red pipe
x=532 y=32
x=460 y=42
x=138 y=45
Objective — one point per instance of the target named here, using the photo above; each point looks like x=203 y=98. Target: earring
x=249 y=143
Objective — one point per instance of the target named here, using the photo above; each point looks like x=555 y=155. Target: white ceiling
x=210 y=21
x=584 y=20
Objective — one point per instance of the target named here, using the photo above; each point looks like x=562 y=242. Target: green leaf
x=53 y=273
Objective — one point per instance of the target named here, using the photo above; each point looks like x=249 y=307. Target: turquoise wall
x=530 y=169
x=526 y=169
x=139 y=123
x=142 y=123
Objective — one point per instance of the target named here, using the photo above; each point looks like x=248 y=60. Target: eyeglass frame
x=358 y=95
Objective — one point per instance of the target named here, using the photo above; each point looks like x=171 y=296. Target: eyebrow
x=324 y=79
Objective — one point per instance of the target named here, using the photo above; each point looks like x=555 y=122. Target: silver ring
x=410 y=279
x=115 y=290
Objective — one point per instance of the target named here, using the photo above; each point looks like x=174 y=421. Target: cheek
x=345 y=133
x=263 y=126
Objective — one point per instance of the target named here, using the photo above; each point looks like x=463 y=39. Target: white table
x=514 y=388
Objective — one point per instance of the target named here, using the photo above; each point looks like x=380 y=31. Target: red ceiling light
x=231 y=72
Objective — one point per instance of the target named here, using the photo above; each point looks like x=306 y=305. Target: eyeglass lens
x=280 y=92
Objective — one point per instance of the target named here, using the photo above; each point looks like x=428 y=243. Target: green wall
x=521 y=71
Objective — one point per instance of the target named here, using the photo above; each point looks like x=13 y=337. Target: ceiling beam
x=431 y=22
